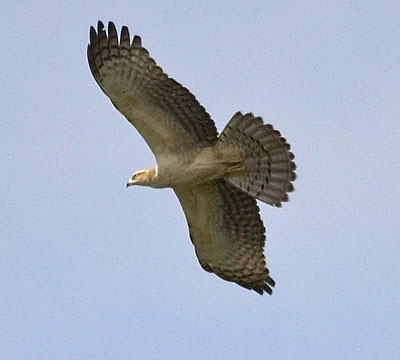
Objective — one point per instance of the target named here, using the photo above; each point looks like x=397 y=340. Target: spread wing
x=165 y=113
x=228 y=233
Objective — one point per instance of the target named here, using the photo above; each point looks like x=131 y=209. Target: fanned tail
x=268 y=167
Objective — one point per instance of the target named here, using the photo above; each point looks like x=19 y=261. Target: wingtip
x=125 y=32
x=95 y=32
x=271 y=281
x=137 y=41
x=92 y=34
x=125 y=38
x=100 y=26
x=111 y=28
x=267 y=289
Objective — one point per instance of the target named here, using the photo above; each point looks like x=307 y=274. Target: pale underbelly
x=195 y=168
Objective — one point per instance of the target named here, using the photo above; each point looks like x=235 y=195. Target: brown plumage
x=216 y=179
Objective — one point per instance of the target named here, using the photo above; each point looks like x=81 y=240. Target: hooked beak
x=130 y=183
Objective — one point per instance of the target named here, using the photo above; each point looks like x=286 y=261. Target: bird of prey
x=217 y=179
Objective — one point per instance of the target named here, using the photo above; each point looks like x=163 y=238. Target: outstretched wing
x=228 y=233
x=166 y=114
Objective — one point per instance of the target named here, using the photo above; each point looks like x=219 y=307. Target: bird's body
x=194 y=167
x=216 y=178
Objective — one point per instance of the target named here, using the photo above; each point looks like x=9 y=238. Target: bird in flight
x=217 y=179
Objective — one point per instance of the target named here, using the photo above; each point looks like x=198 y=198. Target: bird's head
x=141 y=177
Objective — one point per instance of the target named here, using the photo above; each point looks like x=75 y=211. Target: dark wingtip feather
x=125 y=37
x=111 y=28
x=267 y=289
x=92 y=35
x=258 y=291
x=113 y=40
x=94 y=52
x=271 y=281
x=102 y=41
x=136 y=42
x=100 y=26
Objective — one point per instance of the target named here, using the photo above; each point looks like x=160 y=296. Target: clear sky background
x=91 y=270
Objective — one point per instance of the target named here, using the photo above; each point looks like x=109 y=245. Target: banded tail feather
x=268 y=167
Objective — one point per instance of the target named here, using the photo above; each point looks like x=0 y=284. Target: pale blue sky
x=91 y=270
